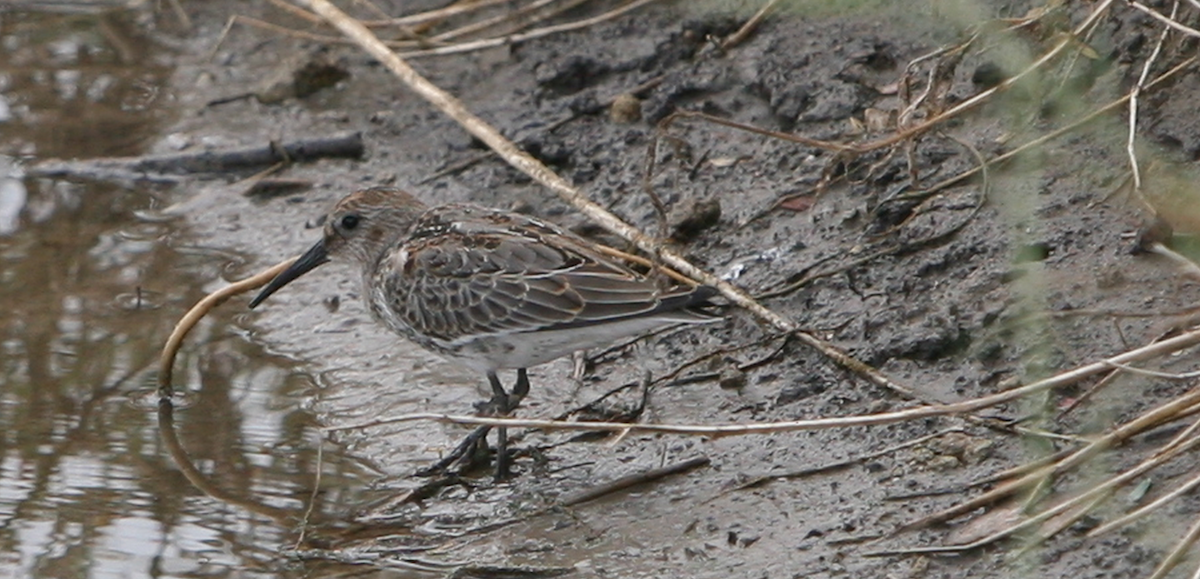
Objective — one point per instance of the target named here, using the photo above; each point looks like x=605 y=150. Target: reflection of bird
x=490 y=289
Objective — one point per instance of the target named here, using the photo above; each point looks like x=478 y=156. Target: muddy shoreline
x=970 y=293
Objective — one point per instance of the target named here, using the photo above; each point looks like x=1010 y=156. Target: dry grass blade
x=1178 y=553
x=513 y=38
x=455 y=9
x=1169 y=21
x=518 y=19
x=166 y=360
x=1090 y=496
x=1166 y=412
x=1154 y=417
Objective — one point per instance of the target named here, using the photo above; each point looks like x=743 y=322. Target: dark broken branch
x=173 y=167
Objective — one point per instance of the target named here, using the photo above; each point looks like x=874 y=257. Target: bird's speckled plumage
x=492 y=289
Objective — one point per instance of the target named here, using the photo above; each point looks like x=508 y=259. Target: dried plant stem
x=1082 y=499
x=1148 y=419
x=499 y=41
x=166 y=409
x=423 y=17
x=1143 y=511
x=1159 y=16
x=1163 y=413
x=1177 y=554
x=166 y=360
x=1133 y=103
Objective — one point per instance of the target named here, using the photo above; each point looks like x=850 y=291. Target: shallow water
x=89 y=292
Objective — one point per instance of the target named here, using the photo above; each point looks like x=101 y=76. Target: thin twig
x=509 y=39
x=635 y=479
x=1165 y=20
x=1083 y=498
x=750 y=26
x=1133 y=103
x=1144 y=353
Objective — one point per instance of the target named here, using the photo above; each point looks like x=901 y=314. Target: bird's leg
x=500 y=401
x=520 y=389
x=460 y=452
x=500 y=404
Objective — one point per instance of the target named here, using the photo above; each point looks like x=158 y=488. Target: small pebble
x=625 y=109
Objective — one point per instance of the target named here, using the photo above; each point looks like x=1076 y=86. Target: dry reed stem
x=166 y=360
x=1140 y=354
x=423 y=17
x=1090 y=495
x=1154 y=417
x=500 y=41
x=1133 y=103
x=1159 y=16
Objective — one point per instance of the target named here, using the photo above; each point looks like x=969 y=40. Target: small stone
x=732 y=378
x=693 y=217
x=625 y=109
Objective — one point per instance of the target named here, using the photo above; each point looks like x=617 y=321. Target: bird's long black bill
x=313 y=258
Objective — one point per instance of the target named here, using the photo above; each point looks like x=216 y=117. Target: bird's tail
x=689 y=306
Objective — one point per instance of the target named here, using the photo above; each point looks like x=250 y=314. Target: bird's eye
x=349 y=222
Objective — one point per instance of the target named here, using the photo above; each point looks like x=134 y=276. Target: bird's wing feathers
x=467 y=270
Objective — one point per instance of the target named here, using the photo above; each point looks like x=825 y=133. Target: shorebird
x=490 y=289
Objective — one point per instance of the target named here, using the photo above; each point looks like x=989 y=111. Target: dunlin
x=490 y=289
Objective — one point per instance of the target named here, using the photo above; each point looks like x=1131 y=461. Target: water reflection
x=88 y=293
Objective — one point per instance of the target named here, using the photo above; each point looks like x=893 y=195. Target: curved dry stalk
x=166 y=409
x=166 y=360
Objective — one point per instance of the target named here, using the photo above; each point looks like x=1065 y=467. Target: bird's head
x=359 y=228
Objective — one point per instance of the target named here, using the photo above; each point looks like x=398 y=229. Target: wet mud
x=998 y=280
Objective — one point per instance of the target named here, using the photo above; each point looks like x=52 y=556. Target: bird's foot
x=468 y=453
